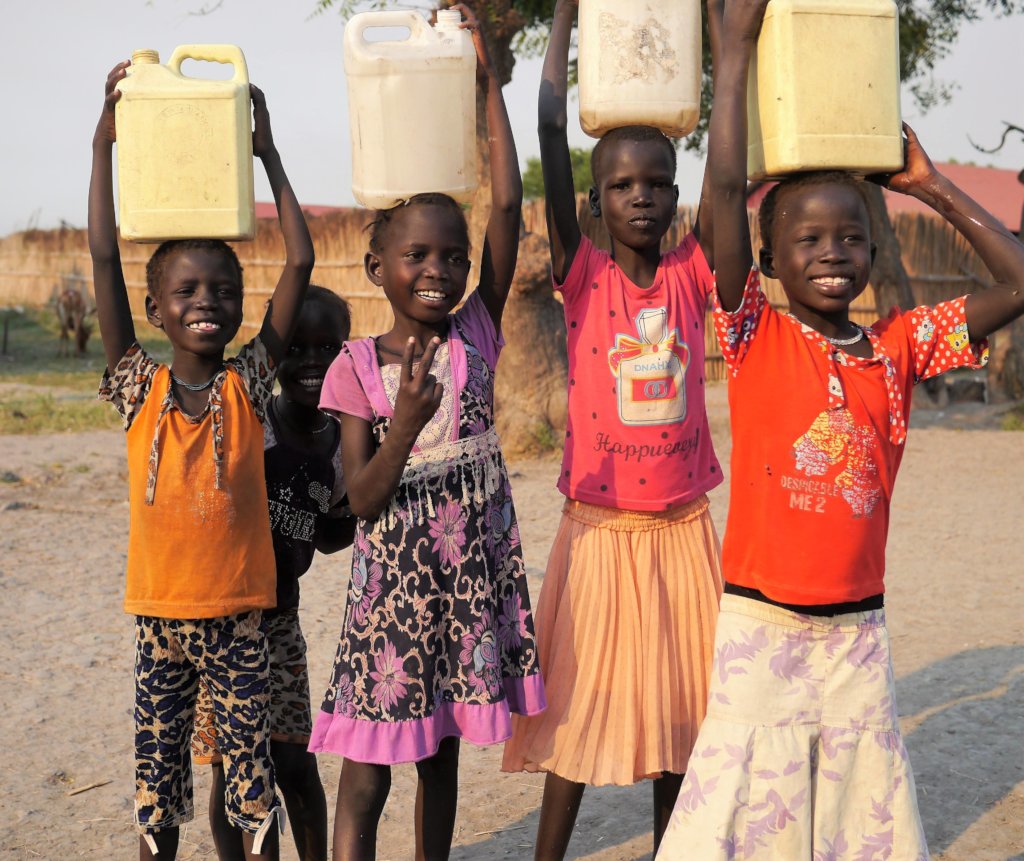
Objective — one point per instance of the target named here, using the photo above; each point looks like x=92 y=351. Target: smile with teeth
x=311 y=381
x=431 y=295
x=832 y=281
x=204 y=326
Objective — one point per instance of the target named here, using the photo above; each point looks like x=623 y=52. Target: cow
x=71 y=314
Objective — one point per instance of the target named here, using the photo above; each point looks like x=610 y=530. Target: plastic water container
x=412 y=107
x=824 y=89
x=639 y=64
x=184 y=149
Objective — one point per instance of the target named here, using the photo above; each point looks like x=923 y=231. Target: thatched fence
x=941 y=265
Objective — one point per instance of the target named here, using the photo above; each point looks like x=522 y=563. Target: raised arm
x=284 y=306
x=1001 y=251
x=501 y=241
x=559 y=191
x=704 y=226
x=727 y=149
x=112 y=308
x=372 y=473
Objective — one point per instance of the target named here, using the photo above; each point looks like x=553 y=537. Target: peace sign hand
x=419 y=392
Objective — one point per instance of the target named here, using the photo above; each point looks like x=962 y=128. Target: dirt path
x=956 y=611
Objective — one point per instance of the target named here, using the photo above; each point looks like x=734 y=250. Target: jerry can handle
x=363 y=21
x=228 y=54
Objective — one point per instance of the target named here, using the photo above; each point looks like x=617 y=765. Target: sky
x=55 y=57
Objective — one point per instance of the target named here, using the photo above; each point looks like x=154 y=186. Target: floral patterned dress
x=437 y=638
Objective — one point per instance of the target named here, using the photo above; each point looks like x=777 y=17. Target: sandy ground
x=956 y=610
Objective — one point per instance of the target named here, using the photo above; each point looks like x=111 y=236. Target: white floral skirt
x=800 y=757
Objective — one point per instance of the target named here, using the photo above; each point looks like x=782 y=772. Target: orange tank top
x=199 y=550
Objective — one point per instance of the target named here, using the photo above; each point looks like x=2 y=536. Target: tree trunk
x=888 y=276
x=890 y=280
x=1006 y=362
x=530 y=389
x=1006 y=366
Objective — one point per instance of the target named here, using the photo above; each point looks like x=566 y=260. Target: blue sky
x=56 y=55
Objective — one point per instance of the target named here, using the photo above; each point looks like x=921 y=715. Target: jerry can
x=639 y=64
x=824 y=89
x=412 y=107
x=184 y=149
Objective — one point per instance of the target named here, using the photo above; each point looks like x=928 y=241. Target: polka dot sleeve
x=941 y=342
x=735 y=329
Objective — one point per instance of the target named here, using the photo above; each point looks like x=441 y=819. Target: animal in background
x=72 y=312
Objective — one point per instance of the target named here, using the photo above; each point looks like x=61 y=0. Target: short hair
x=332 y=302
x=383 y=218
x=770 y=204
x=166 y=251
x=633 y=134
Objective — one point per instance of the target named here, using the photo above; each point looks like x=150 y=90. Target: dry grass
x=41 y=392
x=33 y=412
x=1014 y=419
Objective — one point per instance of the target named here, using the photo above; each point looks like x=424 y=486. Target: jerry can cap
x=448 y=18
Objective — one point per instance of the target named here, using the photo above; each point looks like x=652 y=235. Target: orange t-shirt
x=199 y=541
x=817 y=439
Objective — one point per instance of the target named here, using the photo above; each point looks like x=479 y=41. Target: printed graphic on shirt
x=836 y=446
x=294 y=518
x=958 y=339
x=649 y=369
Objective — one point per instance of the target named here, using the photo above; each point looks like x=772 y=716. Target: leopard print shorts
x=229 y=655
x=290 y=717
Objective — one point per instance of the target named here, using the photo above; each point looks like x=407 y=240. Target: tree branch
x=1002 y=141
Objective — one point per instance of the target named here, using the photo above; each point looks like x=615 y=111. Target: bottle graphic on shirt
x=649 y=371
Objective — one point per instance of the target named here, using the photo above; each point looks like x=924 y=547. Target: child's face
x=424 y=264
x=636 y=195
x=821 y=249
x=200 y=302
x=319 y=334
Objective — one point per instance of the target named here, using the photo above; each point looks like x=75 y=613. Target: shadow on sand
x=961 y=719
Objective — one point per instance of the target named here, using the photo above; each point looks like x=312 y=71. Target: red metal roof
x=996 y=189
x=269 y=210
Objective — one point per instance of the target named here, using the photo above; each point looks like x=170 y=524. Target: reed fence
x=33 y=263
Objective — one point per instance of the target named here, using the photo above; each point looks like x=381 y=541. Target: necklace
x=845 y=342
x=379 y=346
x=194 y=387
x=293 y=428
x=415 y=356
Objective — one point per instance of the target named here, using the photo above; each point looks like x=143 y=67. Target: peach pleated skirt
x=625 y=629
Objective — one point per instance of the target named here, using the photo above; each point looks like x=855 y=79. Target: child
x=308 y=511
x=800 y=756
x=627 y=611
x=437 y=642
x=200 y=557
